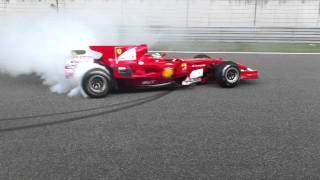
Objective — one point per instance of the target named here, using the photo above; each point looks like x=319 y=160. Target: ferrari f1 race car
x=112 y=67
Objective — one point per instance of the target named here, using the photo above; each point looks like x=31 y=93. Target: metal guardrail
x=231 y=34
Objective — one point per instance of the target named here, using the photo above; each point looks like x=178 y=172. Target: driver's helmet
x=156 y=55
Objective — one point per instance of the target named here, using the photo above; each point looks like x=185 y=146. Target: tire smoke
x=40 y=45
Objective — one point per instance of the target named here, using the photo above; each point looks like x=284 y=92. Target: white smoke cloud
x=40 y=45
x=33 y=44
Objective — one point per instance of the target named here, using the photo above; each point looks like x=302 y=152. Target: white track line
x=210 y=52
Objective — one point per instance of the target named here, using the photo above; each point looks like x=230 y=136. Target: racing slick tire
x=96 y=83
x=227 y=74
x=202 y=56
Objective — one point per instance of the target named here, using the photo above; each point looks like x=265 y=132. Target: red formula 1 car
x=132 y=66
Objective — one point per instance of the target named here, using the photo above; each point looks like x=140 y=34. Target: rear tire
x=227 y=74
x=202 y=56
x=96 y=83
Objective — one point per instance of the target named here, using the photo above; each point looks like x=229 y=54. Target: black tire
x=227 y=74
x=96 y=83
x=202 y=56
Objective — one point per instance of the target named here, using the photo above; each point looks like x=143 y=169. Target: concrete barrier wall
x=205 y=20
x=186 y=13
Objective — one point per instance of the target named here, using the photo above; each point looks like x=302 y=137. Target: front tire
x=96 y=83
x=227 y=74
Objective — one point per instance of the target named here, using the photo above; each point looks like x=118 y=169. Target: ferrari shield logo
x=184 y=66
x=119 y=51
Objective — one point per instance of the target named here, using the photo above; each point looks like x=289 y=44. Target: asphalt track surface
x=264 y=129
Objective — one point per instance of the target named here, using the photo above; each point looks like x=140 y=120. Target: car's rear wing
x=121 y=53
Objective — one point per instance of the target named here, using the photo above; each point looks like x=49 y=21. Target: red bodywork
x=133 y=65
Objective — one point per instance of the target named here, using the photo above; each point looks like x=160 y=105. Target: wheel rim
x=232 y=75
x=97 y=84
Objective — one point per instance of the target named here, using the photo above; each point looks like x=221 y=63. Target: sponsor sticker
x=198 y=65
x=148 y=82
x=167 y=72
